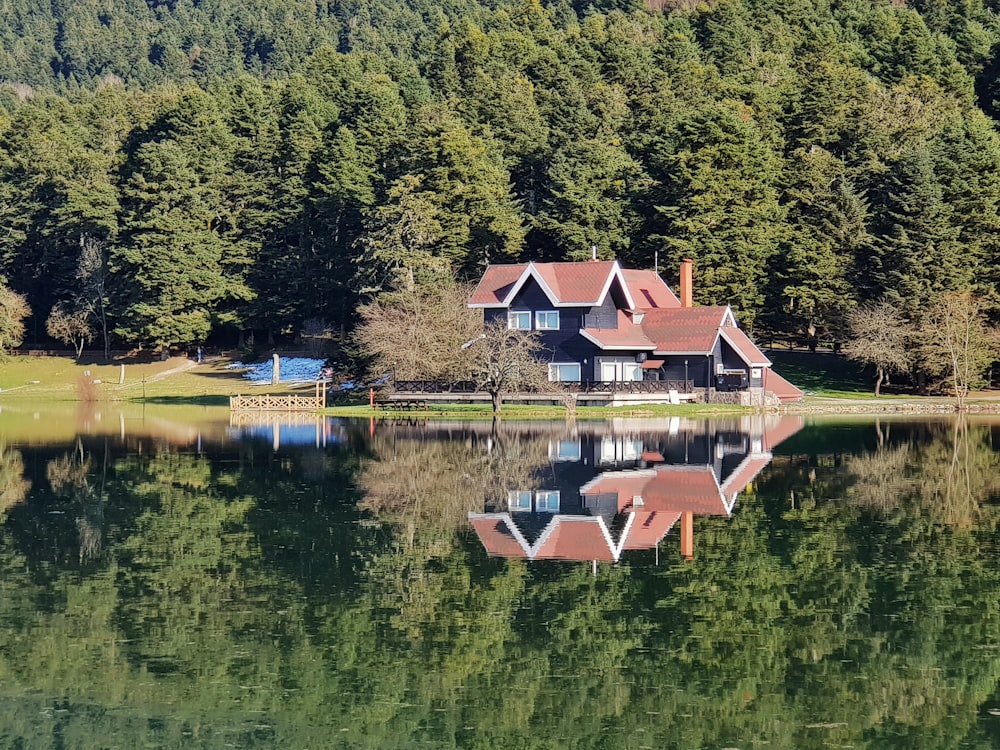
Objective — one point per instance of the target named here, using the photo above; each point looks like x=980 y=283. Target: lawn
x=177 y=380
x=823 y=373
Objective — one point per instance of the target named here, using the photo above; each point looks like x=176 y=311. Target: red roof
x=581 y=283
x=666 y=488
x=648 y=528
x=745 y=473
x=575 y=538
x=627 y=335
x=747 y=349
x=497 y=534
x=649 y=291
x=685 y=489
x=785 y=391
x=684 y=330
x=777 y=429
x=496 y=284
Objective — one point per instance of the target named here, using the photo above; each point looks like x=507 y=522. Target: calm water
x=646 y=584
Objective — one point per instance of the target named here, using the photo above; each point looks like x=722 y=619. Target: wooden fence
x=267 y=402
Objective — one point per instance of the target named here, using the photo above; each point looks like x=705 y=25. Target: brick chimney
x=687 y=275
x=687 y=536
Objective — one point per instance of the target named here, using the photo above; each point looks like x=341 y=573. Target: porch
x=588 y=393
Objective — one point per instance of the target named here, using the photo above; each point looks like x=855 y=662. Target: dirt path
x=185 y=365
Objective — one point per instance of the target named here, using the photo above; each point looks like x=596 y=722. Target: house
x=636 y=489
x=603 y=324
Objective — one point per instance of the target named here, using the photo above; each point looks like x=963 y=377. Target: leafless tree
x=506 y=361
x=92 y=273
x=956 y=342
x=14 y=310
x=878 y=335
x=418 y=331
x=71 y=328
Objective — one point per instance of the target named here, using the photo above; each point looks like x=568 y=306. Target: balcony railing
x=583 y=386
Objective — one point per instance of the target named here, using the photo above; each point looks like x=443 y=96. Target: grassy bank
x=830 y=380
x=177 y=380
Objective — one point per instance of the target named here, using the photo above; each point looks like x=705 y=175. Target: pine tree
x=181 y=256
x=719 y=204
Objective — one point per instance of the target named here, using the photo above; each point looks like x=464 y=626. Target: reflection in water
x=13 y=486
x=158 y=591
x=604 y=493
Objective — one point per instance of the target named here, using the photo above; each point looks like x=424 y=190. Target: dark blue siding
x=605 y=316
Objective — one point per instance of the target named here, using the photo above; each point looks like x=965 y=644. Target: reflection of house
x=637 y=491
x=602 y=323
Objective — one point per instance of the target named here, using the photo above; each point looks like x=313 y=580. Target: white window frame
x=543 y=320
x=631 y=371
x=515 y=317
x=519 y=501
x=547 y=501
x=554 y=372
x=564 y=450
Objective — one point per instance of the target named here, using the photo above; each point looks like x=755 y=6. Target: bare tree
x=14 y=310
x=92 y=272
x=71 y=328
x=417 y=330
x=957 y=343
x=505 y=360
x=878 y=335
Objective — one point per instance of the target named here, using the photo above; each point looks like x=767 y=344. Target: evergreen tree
x=719 y=204
x=181 y=255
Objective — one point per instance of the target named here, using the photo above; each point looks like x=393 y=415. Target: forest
x=198 y=171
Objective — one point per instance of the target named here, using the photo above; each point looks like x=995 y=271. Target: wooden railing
x=277 y=403
x=630 y=386
x=583 y=386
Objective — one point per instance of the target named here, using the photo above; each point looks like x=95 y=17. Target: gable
x=564 y=284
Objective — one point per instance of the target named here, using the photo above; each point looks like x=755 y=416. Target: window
x=631 y=371
x=564 y=450
x=519 y=500
x=547 y=320
x=547 y=502
x=564 y=372
x=520 y=321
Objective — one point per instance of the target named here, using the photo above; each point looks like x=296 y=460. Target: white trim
x=511 y=526
x=532 y=272
x=616 y=348
x=765 y=363
x=671 y=352
x=577 y=365
x=546 y=494
x=547 y=312
x=728 y=314
x=513 y=313
x=586 y=489
x=616 y=273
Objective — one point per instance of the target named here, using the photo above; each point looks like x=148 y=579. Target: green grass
x=48 y=379
x=823 y=373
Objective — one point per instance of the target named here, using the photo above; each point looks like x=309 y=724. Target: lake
x=172 y=579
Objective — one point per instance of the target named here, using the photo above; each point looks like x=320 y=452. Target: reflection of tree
x=432 y=484
x=13 y=486
x=946 y=477
x=69 y=478
x=795 y=626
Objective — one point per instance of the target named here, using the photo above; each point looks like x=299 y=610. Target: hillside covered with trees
x=175 y=171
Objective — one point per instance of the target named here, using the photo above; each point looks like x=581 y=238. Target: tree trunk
x=497 y=399
x=878 y=381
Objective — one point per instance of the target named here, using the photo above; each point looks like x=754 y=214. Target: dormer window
x=519 y=321
x=547 y=320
